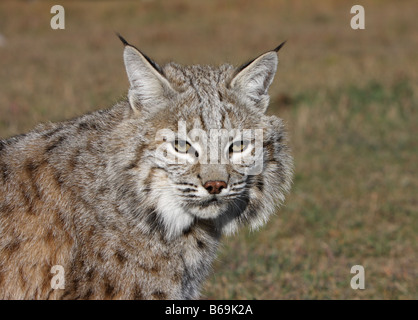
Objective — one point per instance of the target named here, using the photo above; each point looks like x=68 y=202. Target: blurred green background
x=348 y=97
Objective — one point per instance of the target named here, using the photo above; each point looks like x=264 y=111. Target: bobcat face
x=210 y=168
x=216 y=155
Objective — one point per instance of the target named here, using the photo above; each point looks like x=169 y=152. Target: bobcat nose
x=214 y=187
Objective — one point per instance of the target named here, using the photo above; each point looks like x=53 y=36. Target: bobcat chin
x=132 y=201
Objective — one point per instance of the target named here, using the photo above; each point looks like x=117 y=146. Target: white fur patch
x=173 y=216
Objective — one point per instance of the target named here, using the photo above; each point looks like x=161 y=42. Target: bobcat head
x=210 y=151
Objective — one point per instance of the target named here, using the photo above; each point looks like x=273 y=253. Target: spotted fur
x=91 y=195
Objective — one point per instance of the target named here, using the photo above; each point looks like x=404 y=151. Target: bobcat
x=95 y=197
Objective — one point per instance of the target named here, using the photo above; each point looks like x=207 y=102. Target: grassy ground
x=349 y=99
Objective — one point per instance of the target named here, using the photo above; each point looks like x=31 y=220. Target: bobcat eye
x=238 y=146
x=181 y=146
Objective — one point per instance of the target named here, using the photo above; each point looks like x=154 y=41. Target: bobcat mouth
x=209 y=202
x=209 y=207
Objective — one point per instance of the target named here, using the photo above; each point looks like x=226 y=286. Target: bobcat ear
x=149 y=87
x=255 y=77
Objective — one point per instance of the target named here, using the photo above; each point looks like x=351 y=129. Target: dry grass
x=349 y=99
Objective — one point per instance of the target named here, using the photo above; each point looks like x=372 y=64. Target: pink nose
x=214 y=187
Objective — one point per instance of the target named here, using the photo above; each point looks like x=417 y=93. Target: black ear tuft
x=125 y=43
x=280 y=46
x=153 y=63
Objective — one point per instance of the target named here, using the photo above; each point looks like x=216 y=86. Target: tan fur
x=89 y=194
